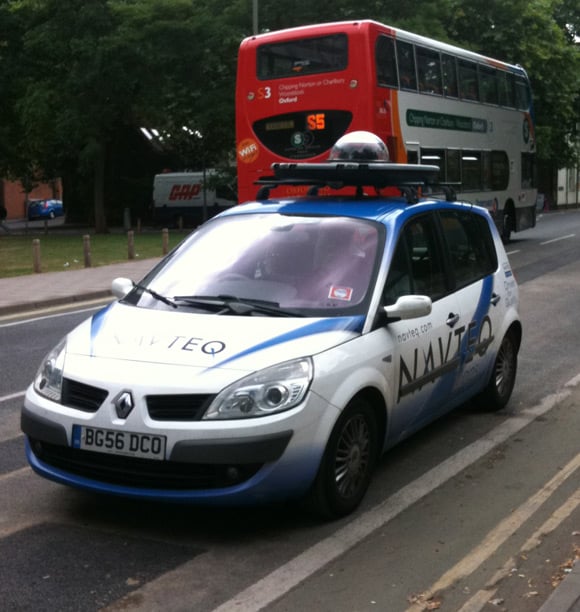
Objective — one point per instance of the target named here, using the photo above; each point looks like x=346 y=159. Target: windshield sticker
x=338 y=292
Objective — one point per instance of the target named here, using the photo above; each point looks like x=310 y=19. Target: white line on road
x=288 y=576
x=557 y=239
x=11 y=396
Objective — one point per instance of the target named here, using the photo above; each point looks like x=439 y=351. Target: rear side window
x=470 y=245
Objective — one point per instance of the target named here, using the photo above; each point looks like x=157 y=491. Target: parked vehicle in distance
x=284 y=345
x=188 y=198
x=45 y=209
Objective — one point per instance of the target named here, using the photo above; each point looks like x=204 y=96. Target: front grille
x=146 y=473
x=82 y=397
x=185 y=407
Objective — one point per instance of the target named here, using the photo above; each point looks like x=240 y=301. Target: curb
x=566 y=597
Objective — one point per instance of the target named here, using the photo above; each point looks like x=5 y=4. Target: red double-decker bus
x=299 y=90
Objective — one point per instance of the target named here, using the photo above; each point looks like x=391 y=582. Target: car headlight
x=268 y=391
x=48 y=381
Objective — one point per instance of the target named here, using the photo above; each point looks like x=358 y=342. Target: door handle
x=495 y=298
x=452 y=319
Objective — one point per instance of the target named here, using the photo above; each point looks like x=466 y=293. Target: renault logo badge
x=124 y=404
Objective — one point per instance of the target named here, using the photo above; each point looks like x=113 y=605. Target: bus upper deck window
x=386 y=62
x=302 y=56
x=449 y=66
x=522 y=93
x=489 y=85
x=406 y=60
x=468 y=84
x=429 y=69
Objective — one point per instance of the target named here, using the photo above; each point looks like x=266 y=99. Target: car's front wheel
x=348 y=462
x=503 y=376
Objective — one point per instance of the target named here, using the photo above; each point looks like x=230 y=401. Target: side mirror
x=409 y=307
x=121 y=287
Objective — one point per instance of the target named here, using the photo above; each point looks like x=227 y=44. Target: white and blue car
x=283 y=347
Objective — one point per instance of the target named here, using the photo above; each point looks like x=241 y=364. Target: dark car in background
x=45 y=209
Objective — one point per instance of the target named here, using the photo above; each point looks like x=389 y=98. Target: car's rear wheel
x=348 y=462
x=503 y=376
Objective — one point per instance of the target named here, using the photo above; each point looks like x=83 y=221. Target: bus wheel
x=508 y=223
x=503 y=376
x=348 y=462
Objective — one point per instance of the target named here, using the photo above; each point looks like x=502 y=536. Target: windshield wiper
x=236 y=305
x=157 y=296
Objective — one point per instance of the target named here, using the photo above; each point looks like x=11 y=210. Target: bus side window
x=449 y=76
x=511 y=90
x=522 y=93
x=488 y=82
x=453 y=166
x=386 y=62
x=406 y=60
x=502 y=87
x=468 y=86
x=429 y=70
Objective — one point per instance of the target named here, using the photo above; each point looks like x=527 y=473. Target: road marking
x=53 y=312
x=15 y=473
x=279 y=582
x=557 y=239
x=11 y=396
x=482 y=597
x=497 y=536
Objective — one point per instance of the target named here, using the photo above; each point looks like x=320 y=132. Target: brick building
x=13 y=196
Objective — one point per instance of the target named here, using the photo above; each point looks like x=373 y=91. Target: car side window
x=417 y=266
x=470 y=246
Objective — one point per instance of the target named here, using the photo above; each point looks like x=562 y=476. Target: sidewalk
x=28 y=293
x=34 y=291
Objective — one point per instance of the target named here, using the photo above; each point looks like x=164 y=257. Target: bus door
x=412 y=152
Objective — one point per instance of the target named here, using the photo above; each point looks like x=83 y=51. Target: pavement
x=48 y=289
x=34 y=292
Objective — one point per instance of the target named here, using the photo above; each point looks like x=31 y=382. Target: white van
x=180 y=198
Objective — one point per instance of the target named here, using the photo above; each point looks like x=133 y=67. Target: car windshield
x=311 y=266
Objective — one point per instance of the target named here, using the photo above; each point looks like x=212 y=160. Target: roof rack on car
x=408 y=178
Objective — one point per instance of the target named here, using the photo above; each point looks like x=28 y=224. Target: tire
x=51 y=214
x=508 y=224
x=347 y=464
x=503 y=376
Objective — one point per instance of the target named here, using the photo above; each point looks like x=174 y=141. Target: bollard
x=87 y=250
x=139 y=225
x=165 y=240
x=131 y=244
x=36 y=255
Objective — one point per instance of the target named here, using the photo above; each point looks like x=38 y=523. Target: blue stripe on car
x=354 y=324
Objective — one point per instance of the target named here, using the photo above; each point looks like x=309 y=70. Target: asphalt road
x=477 y=512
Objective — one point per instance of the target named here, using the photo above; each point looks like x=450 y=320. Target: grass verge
x=66 y=252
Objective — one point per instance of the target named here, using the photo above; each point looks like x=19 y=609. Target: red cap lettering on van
x=185 y=192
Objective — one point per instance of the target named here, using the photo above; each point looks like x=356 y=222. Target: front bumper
x=266 y=462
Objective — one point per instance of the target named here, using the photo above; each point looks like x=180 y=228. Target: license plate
x=117 y=442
